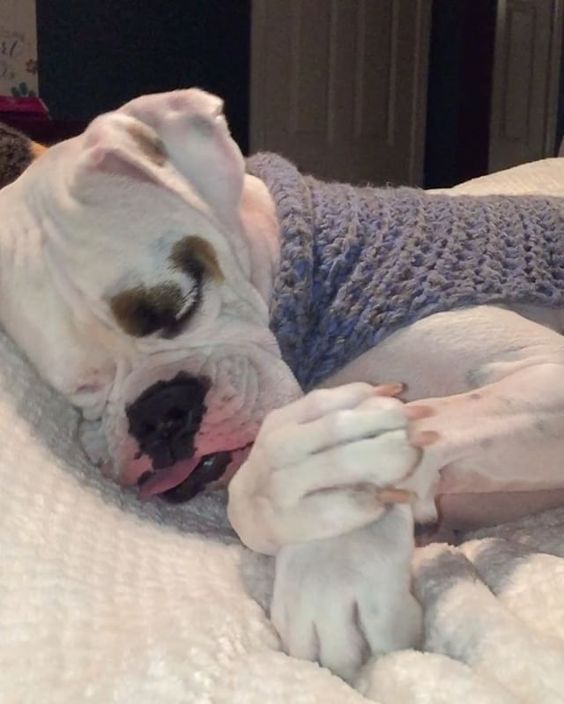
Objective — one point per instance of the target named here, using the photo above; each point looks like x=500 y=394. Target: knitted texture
x=359 y=263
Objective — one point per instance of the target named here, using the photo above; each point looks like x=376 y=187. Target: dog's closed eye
x=166 y=308
x=142 y=311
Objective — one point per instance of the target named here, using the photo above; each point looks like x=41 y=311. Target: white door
x=339 y=86
x=528 y=47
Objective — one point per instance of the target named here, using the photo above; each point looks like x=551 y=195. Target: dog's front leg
x=319 y=465
x=311 y=493
x=342 y=600
x=507 y=435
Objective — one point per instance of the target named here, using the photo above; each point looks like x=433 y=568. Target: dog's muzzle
x=164 y=421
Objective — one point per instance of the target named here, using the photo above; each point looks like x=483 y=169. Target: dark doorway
x=94 y=56
x=459 y=91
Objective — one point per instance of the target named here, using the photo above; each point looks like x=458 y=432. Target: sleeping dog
x=216 y=319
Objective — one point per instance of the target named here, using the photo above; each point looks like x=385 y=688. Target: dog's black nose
x=165 y=418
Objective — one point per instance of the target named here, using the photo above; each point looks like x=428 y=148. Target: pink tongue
x=164 y=479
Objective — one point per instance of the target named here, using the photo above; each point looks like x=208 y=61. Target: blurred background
x=426 y=92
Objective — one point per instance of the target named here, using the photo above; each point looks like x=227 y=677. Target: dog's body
x=141 y=251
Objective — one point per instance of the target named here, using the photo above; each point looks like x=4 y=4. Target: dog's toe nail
x=389 y=389
x=424 y=438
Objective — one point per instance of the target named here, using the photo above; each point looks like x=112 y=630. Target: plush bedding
x=104 y=599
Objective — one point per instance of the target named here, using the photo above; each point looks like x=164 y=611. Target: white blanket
x=103 y=599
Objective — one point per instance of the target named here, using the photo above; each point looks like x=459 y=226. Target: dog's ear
x=16 y=153
x=116 y=144
x=180 y=136
x=194 y=131
x=202 y=150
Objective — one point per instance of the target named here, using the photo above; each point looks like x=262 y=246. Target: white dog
x=138 y=264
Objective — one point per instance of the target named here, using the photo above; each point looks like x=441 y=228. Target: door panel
x=338 y=86
x=526 y=79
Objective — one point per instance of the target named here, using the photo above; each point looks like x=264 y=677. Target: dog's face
x=129 y=278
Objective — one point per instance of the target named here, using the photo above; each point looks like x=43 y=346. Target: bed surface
x=104 y=599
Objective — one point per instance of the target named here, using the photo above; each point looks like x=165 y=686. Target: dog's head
x=135 y=275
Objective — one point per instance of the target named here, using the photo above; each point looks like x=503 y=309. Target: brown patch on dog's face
x=141 y=311
x=194 y=256
x=166 y=308
x=149 y=143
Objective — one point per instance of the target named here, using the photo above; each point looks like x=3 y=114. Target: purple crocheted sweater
x=359 y=263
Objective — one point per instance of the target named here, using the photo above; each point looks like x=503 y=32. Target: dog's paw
x=318 y=467
x=342 y=600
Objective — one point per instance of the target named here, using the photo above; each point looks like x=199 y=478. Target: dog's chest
x=455 y=351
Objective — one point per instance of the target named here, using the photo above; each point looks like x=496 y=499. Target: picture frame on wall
x=19 y=75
